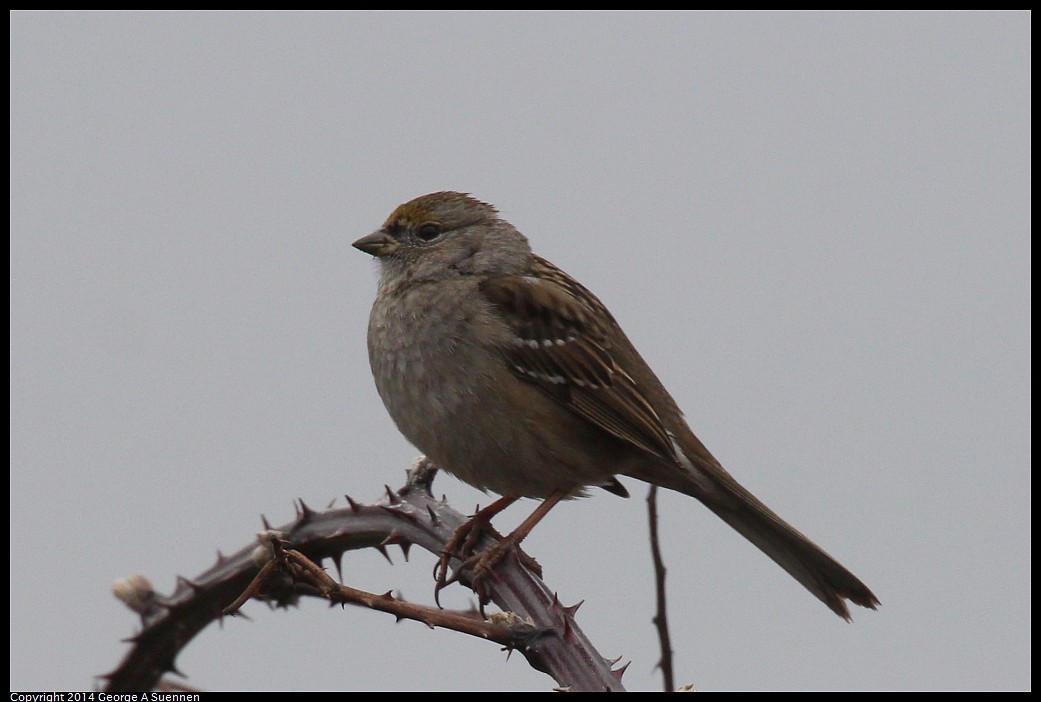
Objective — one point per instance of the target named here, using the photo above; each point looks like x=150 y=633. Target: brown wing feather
x=561 y=345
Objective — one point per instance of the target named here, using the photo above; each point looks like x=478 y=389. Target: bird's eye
x=428 y=231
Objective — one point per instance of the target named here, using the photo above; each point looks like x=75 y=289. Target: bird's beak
x=379 y=244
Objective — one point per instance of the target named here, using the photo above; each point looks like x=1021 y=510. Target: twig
x=661 y=619
x=308 y=571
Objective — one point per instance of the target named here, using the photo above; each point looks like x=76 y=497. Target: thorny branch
x=283 y=567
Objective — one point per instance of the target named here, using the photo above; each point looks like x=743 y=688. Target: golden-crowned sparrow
x=509 y=374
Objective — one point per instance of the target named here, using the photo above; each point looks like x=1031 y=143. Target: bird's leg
x=485 y=561
x=482 y=563
x=464 y=539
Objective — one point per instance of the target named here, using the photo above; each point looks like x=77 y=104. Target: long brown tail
x=807 y=562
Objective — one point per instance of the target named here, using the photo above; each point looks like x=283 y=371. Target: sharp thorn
x=574 y=608
x=568 y=633
x=184 y=583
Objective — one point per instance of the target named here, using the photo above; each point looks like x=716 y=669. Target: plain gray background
x=815 y=227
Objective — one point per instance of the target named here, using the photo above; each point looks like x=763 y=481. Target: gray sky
x=815 y=227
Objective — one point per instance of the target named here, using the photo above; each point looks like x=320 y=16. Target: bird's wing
x=562 y=344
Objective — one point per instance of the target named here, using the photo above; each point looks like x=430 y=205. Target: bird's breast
x=440 y=374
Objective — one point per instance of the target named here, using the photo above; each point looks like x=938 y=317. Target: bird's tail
x=804 y=560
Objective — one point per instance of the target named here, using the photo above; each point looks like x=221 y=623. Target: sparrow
x=511 y=375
